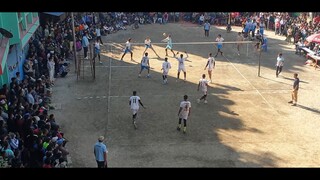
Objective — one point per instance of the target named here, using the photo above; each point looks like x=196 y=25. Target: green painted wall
x=4 y=78
x=9 y=22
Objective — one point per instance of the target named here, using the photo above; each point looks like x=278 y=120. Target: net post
x=247 y=49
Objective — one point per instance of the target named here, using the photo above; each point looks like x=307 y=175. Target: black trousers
x=279 y=69
x=85 y=50
x=101 y=164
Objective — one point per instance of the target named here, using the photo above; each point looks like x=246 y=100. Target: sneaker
x=184 y=130
x=148 y=76
x=86 y=57
x=294 y=104
x=139 y=75
x=178 y=128
x=198 y=101
x=290 y=102
x=100 y=62
x=205 y=101
x=238 y=54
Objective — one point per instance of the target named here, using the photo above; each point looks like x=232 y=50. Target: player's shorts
x=169 y=47
x=210 y=69
x=127 y=50
x=205 y=92
x=134 y=111
x=148 y=46
x=219 y=46
x=183 y=116
x=165 y=72
x=181 y=68
x=144 y=67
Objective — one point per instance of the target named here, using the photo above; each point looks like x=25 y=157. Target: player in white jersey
x=147 y=43
x=203 y=83
x=145 y=64
x=165 y=70
x=219 y=39
x=239 y=39
x=127 y=49
x=134 y=102
x=210 y=64
x=184 y=113
x=169 y=45
x=97 y=50
x=181 y=66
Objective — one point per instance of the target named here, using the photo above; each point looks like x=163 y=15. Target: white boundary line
x=251 y=84
x=109 y=84
x=189 y=43
x=113 y=66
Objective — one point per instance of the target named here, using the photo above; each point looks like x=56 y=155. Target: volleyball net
x=247 y=48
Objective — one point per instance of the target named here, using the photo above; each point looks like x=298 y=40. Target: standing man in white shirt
x=203 y=83
x=210 y=64
x=181 y=66
x=134 y=102
x=279 y=64
x=145 y=64
x=165 y=70
x=97 y=50
x=98 y=33
x=184 y=113
x=127 y=49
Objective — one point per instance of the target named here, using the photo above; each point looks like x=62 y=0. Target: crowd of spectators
x=29 y=134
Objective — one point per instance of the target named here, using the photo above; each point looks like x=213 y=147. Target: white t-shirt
x=203 y=84
x=134 y=102
x=219 y=40
x=181 y=61
x=128 y=45
x=97 y=45
x=211 y=61
x=166 y=66
x=145 y=61
x=185 y=105
x=280 y=61
x=147 y=42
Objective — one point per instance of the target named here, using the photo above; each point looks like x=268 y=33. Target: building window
x=21 y=27
x=29 y=18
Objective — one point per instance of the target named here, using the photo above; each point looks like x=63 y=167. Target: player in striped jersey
x=184 y=113
x=210 y=64
x=203 y=83
x=134 y=102
x=165 y=70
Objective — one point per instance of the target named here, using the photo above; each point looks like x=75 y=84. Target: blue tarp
x=54 y=13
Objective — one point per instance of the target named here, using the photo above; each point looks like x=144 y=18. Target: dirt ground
x=246 y=123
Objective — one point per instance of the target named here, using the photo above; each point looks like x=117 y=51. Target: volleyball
x=164 y=34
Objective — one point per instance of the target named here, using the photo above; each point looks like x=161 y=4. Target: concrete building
x=13 y=51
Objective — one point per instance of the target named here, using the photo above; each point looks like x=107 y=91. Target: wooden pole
x=259 y=62
x=74 y=44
